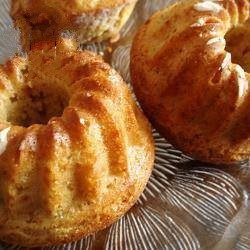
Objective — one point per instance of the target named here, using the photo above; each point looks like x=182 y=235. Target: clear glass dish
x=187 y=204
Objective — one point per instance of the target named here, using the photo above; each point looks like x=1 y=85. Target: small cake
x=90 y=21
x=190 y=71
x=75 y=150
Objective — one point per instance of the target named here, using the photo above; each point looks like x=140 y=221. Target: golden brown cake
x=94 y=20
x=75 y=150
x=190 y=71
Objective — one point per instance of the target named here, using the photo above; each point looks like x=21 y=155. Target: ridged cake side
x=187 y=83
x=82 y=170
x=87 y=20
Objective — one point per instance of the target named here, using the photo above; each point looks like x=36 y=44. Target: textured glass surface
x=187 y=204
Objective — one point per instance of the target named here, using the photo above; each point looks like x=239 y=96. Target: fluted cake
x=89 y=20
x=190 y=67
x=75 y=150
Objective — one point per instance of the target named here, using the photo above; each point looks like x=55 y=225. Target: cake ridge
x=78 y=153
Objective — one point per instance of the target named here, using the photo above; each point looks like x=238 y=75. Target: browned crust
x=40 y=20
x=32 y=240
x=178 y=80
x=69 y=7
x=35 y=210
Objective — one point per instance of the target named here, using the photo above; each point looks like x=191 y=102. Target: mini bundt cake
x=191 y=84
x=96 y=20
x=75 y=150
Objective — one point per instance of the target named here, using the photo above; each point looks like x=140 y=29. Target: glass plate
x=186 y=204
